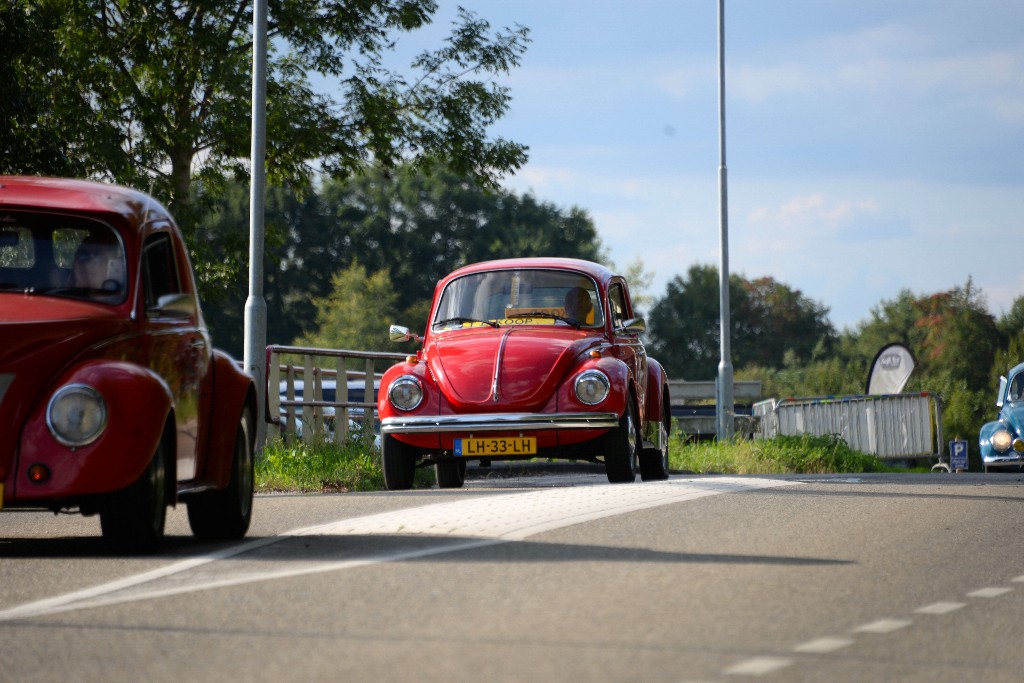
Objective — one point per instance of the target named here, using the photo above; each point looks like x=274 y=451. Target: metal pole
x=256 y=306
x=724 y=405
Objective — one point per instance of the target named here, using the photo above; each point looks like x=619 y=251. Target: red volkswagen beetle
x=112 y=398
x=526 y=358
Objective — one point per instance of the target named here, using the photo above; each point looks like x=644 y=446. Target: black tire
x=398 y=460
x=133 y=521
x=226 y=514
x=620 y=448
x=450 y=474
x=654 y=461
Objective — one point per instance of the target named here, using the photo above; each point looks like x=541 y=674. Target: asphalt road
x=545 y=578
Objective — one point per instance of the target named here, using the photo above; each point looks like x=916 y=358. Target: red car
x=112 y=398
x=526 y=358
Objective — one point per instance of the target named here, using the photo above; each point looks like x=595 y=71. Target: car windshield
x=519 y=297
x=56 y=255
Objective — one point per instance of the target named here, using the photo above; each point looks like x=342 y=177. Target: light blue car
x=1002 y=442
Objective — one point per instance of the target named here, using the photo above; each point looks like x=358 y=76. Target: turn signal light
x=39 y=473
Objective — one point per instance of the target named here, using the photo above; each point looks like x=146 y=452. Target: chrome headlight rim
x=1001 y=440
x=592 y=387
x=411 y=396
x=95 y=415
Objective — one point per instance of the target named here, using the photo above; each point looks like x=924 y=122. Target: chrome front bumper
x=497 y=422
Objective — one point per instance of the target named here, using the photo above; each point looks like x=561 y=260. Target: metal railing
x=296 y=377
x=890 y=426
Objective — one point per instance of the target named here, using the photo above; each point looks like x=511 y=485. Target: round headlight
x=592 y=387
x=1001 y=440
x=77 y=415
x=405 y=393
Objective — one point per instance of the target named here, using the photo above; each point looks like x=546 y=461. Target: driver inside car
x=578 y=305
x=98 y=267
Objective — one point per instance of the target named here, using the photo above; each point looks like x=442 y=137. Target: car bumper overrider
x=496 y=422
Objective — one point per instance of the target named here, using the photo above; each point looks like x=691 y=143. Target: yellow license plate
x=496 y=446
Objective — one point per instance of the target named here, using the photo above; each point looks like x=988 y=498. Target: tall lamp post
x=725 y=409
x=255 y=329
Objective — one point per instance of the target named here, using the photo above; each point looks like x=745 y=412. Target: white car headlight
x=592 y=387
x=76 y=415
x=405 y=393
x=1001 y=440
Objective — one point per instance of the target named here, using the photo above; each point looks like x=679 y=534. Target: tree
x=356 y=314
x=43 y=130
x=768 y=321
x=417 y=227
x=167 y=88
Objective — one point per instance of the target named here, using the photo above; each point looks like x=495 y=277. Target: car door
x=628 y=347
x=179 y=345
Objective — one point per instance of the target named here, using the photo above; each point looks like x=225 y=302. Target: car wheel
x=134 y=519
x=451 y=474
x=220 y=515
x=654 y=461
x=398 y=461
x=620 y=448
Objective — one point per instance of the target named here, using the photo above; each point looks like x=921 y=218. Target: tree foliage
x=768 y=321
x=355 y=314
x=157 y=94
x=416 y=227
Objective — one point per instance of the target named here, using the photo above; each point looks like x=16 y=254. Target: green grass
x=355 y=465
x=781 y=455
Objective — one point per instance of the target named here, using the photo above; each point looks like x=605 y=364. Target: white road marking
x=823 y=645
x=884 y=626
x=479 y=521
x=759 y=666
x=940 y=608
x=992 y=592
x=1019 y=579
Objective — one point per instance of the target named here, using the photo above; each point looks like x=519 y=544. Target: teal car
x=1002 y=442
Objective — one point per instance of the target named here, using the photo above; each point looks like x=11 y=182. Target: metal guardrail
x=310 y=416
x=891 y=426
x=693 y=407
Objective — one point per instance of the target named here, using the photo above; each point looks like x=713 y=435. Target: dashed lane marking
x=823 y=645
x=759 y=666
x=992 y=592
x=940 y=608
x=884 y=626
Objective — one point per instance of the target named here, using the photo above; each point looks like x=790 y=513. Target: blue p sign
x=957 y=455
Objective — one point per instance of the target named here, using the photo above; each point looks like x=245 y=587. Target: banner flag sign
x=891 y=370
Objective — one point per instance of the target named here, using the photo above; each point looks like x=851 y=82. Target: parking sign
x=957 y=455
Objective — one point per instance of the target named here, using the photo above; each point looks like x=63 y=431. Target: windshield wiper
x=545 y=314
x=465 y=320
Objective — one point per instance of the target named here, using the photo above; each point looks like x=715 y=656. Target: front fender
x=138 y=404
x=657 y=401
x=233 y=392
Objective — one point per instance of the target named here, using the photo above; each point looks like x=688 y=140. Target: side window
x=159 y=273
x=617 y=299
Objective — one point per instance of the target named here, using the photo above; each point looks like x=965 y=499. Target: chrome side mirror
x=397 y=333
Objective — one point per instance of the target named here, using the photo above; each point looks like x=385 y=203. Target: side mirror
x=179 y=305
x=397 y=333
x=633 y=325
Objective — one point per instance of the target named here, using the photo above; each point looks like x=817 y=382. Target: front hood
x=49 y=330
x=40 y=337
x=504 y=369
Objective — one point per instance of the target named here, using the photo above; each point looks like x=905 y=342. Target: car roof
x=595 y=270
x=81 y=196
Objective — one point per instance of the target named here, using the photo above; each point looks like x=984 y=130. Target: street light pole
x=255 y=329
x=725 y=409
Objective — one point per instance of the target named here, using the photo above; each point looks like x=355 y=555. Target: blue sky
x=872 y=146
